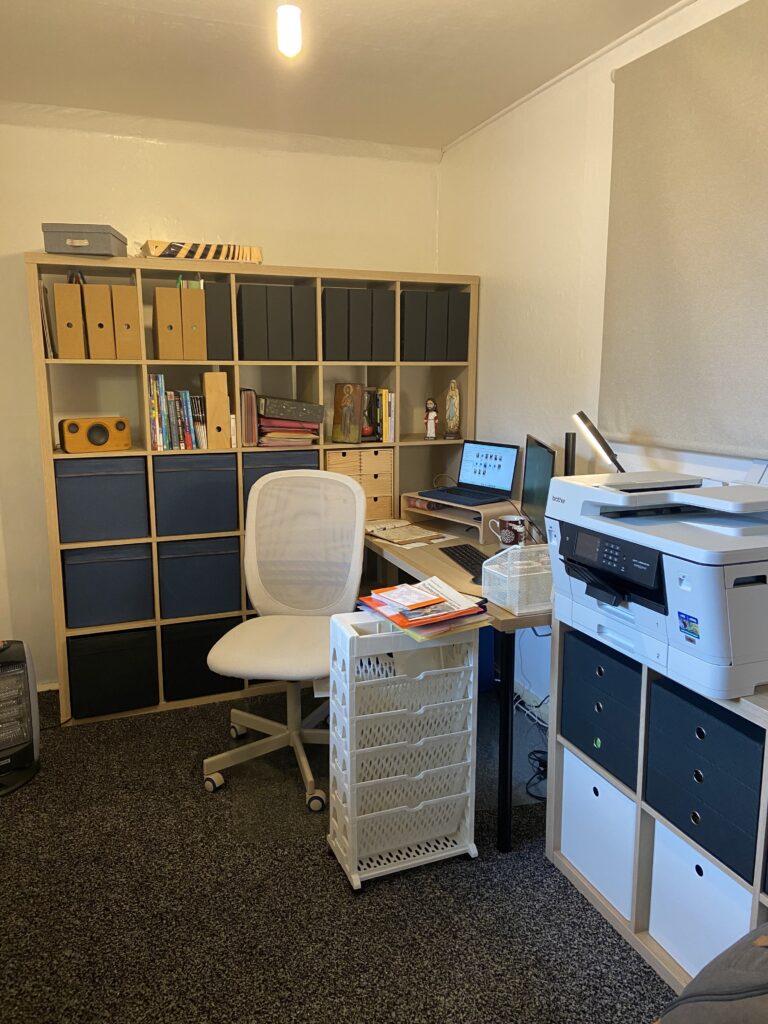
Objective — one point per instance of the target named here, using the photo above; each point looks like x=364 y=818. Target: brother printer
x=670 y=572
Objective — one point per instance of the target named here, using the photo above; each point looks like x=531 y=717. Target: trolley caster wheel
x=237 y=732
x=213 y=782
x=316 y=801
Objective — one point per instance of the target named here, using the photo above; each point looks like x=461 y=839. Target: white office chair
x=303 y=559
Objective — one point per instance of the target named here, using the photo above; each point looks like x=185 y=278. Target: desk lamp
x=596 y=439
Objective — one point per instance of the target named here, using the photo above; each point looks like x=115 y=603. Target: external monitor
x=537 y=473
x=489 y=466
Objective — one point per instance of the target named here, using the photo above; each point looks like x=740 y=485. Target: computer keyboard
x=469 y=558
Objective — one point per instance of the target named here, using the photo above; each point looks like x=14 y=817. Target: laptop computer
x=486 y=473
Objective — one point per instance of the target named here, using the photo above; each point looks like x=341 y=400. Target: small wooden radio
x=90 y=434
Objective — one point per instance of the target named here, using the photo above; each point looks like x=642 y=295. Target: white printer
x=671 y=573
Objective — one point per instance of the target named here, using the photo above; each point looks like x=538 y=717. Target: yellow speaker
x=91 y=434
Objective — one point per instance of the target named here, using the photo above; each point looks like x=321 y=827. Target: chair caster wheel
x=213 y=782
x=237 y=731
x=316 y=800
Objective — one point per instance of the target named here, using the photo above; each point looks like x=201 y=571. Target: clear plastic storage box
x=519 y=579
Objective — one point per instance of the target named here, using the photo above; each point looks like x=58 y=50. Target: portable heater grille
x=19 y=722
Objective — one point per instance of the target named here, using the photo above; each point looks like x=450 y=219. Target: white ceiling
x=406 y=72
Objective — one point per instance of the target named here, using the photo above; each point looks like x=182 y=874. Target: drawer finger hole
x=695 y=817
x=699 y=870
x=600 y=671
x=595 y=791
x=599 y=707
x=698 y=775
x=700 y=733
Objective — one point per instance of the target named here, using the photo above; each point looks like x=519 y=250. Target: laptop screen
x=488 y=465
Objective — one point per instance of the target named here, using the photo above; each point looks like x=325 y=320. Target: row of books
x=276 y=431
x=427 y=609
x=177 y=418
x=382 y=413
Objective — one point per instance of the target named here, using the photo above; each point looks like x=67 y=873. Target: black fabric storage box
x=199 y=577
x=413 y=326
x=109 y=584
x=112 y=672
x=195 y=494
x=102 y=499
x=259 y=464
x=185 y=652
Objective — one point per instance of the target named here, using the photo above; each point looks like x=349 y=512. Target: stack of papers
x=427 y=609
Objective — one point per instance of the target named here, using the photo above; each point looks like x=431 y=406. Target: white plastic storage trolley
x=402 y=750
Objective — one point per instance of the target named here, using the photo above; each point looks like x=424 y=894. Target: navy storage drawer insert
x=112 y=672
x=108 y=584
x=102 y=499
x=185 y=659
x=199 y=577
x=600 y=710
x=195 y=494
x=259 y=464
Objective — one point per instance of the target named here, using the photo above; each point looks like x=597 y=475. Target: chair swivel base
x=293 y=733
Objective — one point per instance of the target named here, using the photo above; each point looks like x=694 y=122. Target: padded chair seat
x=285 y=647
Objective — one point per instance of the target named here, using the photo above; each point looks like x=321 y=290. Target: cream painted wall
x=307 y=202
x=524 y=203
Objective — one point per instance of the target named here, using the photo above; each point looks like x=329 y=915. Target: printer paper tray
x=629 y=640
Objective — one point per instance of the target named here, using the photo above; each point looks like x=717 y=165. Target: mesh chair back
x=304 y=537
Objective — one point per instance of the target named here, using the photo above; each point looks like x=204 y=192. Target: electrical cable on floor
x=537 y=759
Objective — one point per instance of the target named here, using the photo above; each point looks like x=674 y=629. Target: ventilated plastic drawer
x=402 y=693
x=406 y=791
x=406 y=758
x=406 y=726
x=389 y=830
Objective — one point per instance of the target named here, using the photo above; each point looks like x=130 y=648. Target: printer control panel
x=631 y=562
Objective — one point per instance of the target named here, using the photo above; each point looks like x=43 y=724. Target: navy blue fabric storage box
x=102 y=499
x=185 y=653
x=258 y=464
x=199 y=577
x=195 y=494
x=112 y=672
x=110 y=584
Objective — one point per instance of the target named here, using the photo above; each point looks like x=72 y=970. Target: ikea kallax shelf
x=657 y=806
x=156 y=521
x=403 y=734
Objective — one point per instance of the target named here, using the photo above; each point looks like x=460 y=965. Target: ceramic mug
x=509 y=529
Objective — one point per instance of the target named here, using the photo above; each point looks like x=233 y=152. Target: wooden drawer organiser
x=373 y=470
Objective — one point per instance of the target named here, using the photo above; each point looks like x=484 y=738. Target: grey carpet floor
x=130 y=895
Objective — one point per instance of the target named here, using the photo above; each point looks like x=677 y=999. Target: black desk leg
x=506 y=659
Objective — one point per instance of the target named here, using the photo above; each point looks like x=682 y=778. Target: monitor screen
x=488 y=465
x=538 y=471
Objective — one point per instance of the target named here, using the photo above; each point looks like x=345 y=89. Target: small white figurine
x=430 y=420
x=452 y=413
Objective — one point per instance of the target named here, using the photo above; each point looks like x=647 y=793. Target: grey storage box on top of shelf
x=199 y=577
x=195 y=494
x=108 y=584
x=112 y=672
x=102 y=498
x=84 y=239
x=259 y=464
x=185 y=652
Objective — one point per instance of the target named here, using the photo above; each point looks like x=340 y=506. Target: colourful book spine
x=163 y=411
x=186 y=410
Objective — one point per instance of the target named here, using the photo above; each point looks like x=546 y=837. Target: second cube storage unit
x=403 y=734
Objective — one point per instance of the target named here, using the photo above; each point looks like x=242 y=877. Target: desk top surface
x=426 y=561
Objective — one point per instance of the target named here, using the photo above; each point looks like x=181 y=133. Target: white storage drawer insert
x=696 y=909
x=598 y=832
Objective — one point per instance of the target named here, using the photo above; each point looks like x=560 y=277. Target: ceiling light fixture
x=289 y=29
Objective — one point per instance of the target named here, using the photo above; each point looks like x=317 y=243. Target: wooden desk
x=427 y=561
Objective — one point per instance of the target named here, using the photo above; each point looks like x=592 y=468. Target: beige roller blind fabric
x=685 y=339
